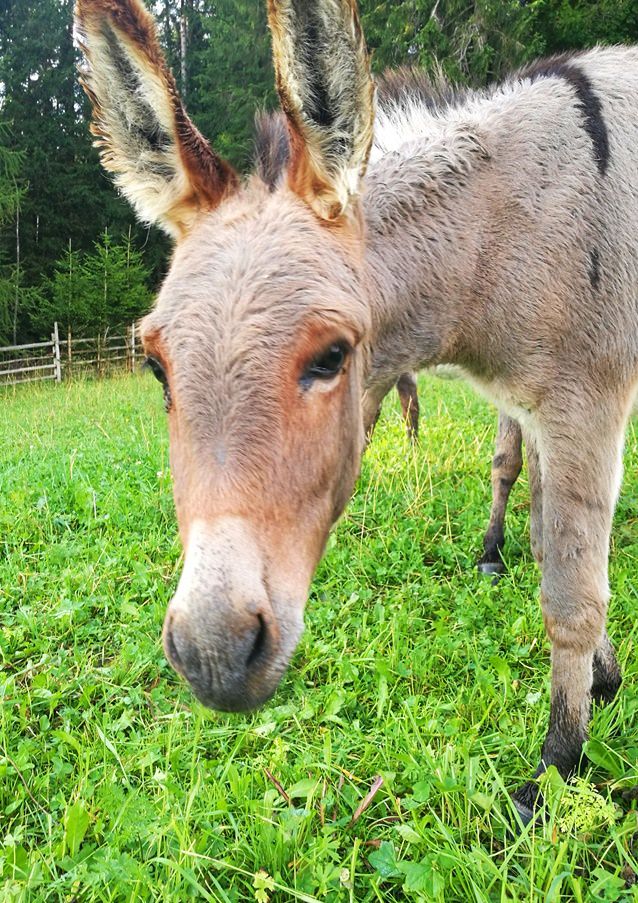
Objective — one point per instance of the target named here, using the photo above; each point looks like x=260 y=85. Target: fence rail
x=65 y=358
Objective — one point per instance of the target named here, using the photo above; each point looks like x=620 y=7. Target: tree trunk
x=183 y=47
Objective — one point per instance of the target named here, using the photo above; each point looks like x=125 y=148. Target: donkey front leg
x=581 y=469
x=607 y=677
x=506 y=467
x=373 y=399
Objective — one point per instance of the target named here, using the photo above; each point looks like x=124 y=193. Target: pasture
x=116 y=785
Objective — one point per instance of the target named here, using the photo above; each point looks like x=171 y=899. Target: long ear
x=327 y=94
x=161 y=162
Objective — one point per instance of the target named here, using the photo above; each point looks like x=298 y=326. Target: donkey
x=498 y=233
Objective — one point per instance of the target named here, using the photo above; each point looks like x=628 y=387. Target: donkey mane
x=271 y=147
x=565 y=66
x=408 y=99
x=396 y=90
x=413 y=105
x=407 y=83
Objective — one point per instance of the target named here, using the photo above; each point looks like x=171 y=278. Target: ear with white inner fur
x=327 y=94
x=161 y=162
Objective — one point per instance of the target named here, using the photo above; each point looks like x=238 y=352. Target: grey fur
x=470 y=245
x=555 y=348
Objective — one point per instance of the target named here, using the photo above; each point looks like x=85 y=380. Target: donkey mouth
x=242 y=696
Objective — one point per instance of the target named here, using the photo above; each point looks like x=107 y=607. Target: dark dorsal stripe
x=566 y=67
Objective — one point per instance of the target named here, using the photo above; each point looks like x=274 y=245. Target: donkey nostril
x=260 y=642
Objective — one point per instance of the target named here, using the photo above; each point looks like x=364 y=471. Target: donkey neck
x=421 y=206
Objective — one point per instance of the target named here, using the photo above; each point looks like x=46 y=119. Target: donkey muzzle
x=221 y=631
x=229 y=665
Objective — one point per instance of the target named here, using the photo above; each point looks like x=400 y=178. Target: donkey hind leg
x=506 y=467
x=407 y=389
x=536 y=498
x=580 y=484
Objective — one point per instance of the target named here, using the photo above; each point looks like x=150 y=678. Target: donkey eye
x=156 y=368
x=328 y=364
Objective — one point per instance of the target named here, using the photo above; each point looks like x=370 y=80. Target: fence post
x=69 y=355
x=57 y=367
x=133 y=347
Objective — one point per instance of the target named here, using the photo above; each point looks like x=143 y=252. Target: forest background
x=70 y=249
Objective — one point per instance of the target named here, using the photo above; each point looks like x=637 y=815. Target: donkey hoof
x=523 y=812
x=526 y=800
x=491 y=568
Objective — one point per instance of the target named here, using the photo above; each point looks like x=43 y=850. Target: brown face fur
x=261 y=454
x=264 y=453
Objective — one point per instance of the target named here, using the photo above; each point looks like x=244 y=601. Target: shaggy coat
x=497 y=233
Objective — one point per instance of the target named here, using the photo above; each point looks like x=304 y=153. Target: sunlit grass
x=116 y=785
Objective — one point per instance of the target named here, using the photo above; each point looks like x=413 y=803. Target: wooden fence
x=64 y=358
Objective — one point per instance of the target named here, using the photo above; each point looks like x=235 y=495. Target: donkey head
x=258 y=334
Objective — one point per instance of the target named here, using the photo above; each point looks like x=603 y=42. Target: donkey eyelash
x=155 y=366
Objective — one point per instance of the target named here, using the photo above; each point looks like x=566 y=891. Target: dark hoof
x=493 y=569
x=527 y=800
x=524 y=813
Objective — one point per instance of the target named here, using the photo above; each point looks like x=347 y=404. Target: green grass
x=116 y=785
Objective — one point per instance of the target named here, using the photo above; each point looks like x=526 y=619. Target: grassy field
x=116 y=785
